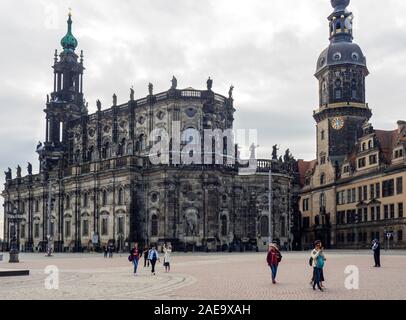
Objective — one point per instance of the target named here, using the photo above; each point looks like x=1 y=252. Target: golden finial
x=70 y=12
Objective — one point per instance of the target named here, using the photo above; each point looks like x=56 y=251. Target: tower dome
x=69 y=42
x=340 y=5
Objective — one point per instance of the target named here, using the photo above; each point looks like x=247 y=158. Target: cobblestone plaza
x=205 y=276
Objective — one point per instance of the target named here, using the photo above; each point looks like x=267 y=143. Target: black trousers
x=153 y=262
x=146 y=261
x=377 y=258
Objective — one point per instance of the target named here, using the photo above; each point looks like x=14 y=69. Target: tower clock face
x=337 y=123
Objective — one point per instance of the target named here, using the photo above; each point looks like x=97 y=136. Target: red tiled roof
x=387 y=141
x=304 y=166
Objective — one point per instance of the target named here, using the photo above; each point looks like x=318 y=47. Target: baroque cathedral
x=354 y=191
x=97 y=185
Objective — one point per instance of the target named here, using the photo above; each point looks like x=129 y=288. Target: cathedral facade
x=98 y=186
x=354 y=191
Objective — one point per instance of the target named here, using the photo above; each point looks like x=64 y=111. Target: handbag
x=130 y=258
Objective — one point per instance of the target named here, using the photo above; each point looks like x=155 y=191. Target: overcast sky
x=266 y=48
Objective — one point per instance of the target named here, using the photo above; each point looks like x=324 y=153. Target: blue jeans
x=317 y=277
x=135 y=262
x=274 y=269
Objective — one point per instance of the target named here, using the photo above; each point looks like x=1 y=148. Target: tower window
x=338 y=94
x=322 y=135
x=322 y=179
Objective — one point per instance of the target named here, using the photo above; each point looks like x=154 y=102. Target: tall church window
x=105 y=196
x=120 y=196
x=324 y=92
x=67 y=202
x=224 y=228
x=105 y=226
x=264 y=226
x=85 y=228
x=154 y=226
x=322 y=135
x=67 y=229
x=120 y=225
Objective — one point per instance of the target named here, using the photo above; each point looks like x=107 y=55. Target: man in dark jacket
x=376 y=248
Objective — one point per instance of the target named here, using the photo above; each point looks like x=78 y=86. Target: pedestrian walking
x=376 y=248
x=273 y=258
x=135 y=257
x=153 y=257
x=317 y=258
x=146 y=261
x=111 y=249
x=167 y=251
x=105 y=251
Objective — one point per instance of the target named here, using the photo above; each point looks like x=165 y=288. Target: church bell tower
x=341 y=72
x=66 y=103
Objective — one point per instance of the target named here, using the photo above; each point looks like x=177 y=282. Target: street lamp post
x=13 y=217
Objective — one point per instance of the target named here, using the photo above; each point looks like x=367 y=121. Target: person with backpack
x=273 y=259
x=376 y=248
x=153 y=257
x=317 y=259
x=134 y=257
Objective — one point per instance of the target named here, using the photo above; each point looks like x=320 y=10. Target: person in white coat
x=167 y=257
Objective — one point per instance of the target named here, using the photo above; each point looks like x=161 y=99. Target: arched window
x=338 y=25
x=364 y=146
x=154 y=226
x=324 y=92
x=67 y=202
x=322 y=179
x=264 y=226
x=105 y=197
x=120 y=196
x=370 y=146
x=224 y=228
x=85 y=200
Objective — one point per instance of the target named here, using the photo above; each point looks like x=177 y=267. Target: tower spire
x=69 y=42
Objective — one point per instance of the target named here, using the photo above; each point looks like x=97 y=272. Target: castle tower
x=341 y=72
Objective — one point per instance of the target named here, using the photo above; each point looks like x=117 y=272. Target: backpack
x=279 y=256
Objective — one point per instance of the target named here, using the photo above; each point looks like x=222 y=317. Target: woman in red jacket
x=273 y=258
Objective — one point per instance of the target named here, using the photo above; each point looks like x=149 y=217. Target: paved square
x=205 y=276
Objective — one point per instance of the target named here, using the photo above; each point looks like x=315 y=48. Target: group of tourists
x=151 y=256
x=108 y=251
x=316 y=261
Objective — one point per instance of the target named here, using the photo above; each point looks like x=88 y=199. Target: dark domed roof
x=340 y=4
x=339 y=53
